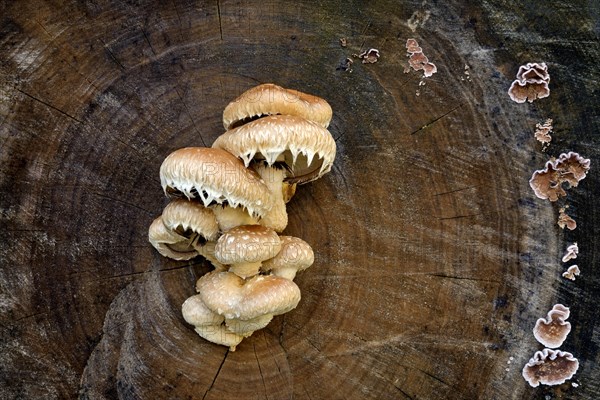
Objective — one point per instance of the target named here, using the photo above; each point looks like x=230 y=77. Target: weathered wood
x=433 y=256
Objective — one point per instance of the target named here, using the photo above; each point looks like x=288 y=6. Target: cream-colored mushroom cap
x=270 y=99
x=307 y=149
x=186 y=217
x=550 y=367
x=247 y=244
x=295 y=255
x=214 y=176
x=196 y=313
x=169 y=243
x=231 y=296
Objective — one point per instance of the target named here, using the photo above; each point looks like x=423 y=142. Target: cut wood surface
x=433 y=257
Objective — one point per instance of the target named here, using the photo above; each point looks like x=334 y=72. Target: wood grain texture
x=433 y=256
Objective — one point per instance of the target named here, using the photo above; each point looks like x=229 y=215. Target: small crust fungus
x=542 y=132
x=417 y=60
x=245 y=247
x=214 y=177
x=569 y=168
x=270 y=99
x=550 y=367
x=369 y=56
x=531 y=83
x=572 y=252
x=552 y=331
x=565 y=220
x=296 y=255
x=571 y=272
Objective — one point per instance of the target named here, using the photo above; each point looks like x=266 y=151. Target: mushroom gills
x=307 y=165
x=243 y=121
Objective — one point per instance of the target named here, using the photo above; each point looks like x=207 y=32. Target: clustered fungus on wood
x=571 y=272
x=531 y=83
x=571 y=254
x=552 y=331
x=565 y=220
x=369 y=56
x=542 y=132
x=569 y=168
x=229 y=203
x=550 y=367
x=417 y=60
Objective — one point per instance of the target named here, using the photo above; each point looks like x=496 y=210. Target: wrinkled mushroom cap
x=533 y=72
x=295 y=255
x=219 y=334
x=550 y=367
x=306 y=148
x=270 y=99
x=214 y=175
x=546 y=183
x=247 y=327
x=247 y=244
x=553 y=331
x=182 y=216
x=168 y=243
x=520 y=92
x=229 y=295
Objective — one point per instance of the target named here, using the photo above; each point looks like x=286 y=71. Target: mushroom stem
x=208 y=251
x=286 y=272
x=229 y=217
x=245 y=270
x=277 y=218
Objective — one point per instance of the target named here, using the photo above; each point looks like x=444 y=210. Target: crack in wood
x=219 y=15
x=112 y=56
x=459 y=216
x=216 y=375
x=148 y=41
x=260 y=371
x=454 y=191
x=463 y=278
x=189 y=114
x=427 y=125
x=50 y=106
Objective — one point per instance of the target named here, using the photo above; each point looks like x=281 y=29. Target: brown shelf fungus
x=214 y=176
x=245 y=247
x=281 y=148
x=270 y=99
x=295 y=255
x=531 y=83
x=565 y=220
x=569 y=168
x=182 y=230
x=550 y=367
x=417 y=60
x=208 y=324
x=552 y=331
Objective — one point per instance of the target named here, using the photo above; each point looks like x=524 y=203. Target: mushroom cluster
x=229 y=206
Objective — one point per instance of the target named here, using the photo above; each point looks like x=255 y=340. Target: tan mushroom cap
x=168 y=243
x=247 y=327
x=181 y=215
x=307 y=149
x=295 y=255
x=247 y=244
x=270 y=99
x=550 y=367
x=219 y=334
x=214 y=175
x=196 y=313
x=229 y=295
x=552 y=331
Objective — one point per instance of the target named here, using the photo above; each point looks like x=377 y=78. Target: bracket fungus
x=417 y=60
x=550 y=367
x=571 y=253
x=565 y=220
x=552 y=331
x=182 y=230
x=531 y=83
x=295 y=255
x=571 y=272
x=214 y=176
x=245 y=247
x=369 y=56
x=542 y=131
x=569 y=168
x=269 y=99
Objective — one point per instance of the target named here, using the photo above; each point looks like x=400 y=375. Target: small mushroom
x=245 y=247
x=270 y=99
x=550 y=367
x=183 y=229
x=571 y=272
x=533 y=72
x=542 y=131
x=214 y=177
x=370 y=56
x=552 y=331
x=571 y=253
x=208 y=324
x=235 y=298
x=281 y=148
x=295 y=255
